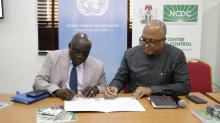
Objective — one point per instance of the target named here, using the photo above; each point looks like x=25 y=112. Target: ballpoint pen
x=77 y=95
x=109 y=87
x=67 y=86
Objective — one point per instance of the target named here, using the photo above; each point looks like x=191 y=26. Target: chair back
x=126 y=89
x=200 y=76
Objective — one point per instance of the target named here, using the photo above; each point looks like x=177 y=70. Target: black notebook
x=162 y=101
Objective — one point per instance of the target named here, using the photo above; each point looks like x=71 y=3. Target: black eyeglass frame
x=150 y=42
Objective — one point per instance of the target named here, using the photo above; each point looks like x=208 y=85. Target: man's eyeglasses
x=149 y=42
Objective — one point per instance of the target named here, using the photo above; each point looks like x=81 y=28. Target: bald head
x=155 y=28
x=79 y=48
x=153 y=37
x=80 y=38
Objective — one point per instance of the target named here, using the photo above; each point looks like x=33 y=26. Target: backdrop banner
x=105 y=21
x=182 y=18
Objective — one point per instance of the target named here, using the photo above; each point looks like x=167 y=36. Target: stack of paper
x=205 y=117
x=54 y=114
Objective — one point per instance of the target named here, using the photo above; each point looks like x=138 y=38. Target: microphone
x=181 y=103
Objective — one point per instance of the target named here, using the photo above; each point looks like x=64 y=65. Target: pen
x=82 y=91
x=67 y=86
x=114 y=95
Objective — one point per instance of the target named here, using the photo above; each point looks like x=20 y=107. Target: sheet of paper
x=4 y=104
x=103 y=105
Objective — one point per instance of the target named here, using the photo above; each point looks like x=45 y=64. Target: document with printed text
x=103 y=105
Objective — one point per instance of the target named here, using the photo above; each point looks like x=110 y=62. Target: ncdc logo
x=92 y=7
x=180 y=13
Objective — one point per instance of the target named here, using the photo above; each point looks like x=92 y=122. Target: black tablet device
x=36 y=93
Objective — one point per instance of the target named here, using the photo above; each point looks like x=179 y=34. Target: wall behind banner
x=210 y=47
x=18 y=46
x=18 y=43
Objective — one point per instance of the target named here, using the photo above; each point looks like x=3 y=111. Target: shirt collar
x=79 y=66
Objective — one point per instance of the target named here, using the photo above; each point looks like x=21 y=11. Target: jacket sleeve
x=42 y=80
x=102 y=82
x=122 y=76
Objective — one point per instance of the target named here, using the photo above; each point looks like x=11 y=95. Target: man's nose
x=80 y=55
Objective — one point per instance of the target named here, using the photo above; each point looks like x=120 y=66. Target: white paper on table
x=103 y=105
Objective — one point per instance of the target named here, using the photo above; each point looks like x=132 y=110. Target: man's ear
x=69 y=45
x=165 y=38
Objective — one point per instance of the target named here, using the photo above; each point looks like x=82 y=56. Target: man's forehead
x=153 y=30
x=81 y=42
x=153 y=26
x=81 y=46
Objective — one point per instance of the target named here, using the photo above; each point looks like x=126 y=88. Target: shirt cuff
x=101 y=89
x=97 y=88
x=52 y=87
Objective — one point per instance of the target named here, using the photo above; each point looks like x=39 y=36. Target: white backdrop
x=1 y=8
x=183 y=20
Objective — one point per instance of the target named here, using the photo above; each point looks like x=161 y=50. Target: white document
x=103 y=105
x=4 y=104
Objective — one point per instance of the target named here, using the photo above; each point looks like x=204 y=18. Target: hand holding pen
x=110 y=92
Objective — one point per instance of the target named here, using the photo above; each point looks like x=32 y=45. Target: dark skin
x=79 y=49
x=65 y=94
x=90 y=91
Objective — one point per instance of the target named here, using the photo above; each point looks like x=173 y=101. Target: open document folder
x=103 y=105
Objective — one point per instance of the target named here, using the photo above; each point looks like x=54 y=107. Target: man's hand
x=110 y=92
x=90 y=91
x=65 y=94
x=142 y=91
